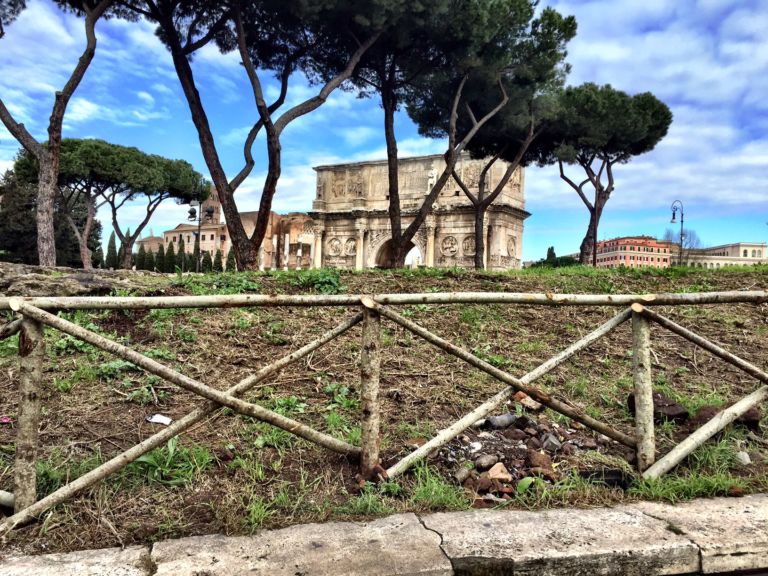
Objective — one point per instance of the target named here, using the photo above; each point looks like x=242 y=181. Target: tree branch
x=578 y=188
x=191 y=47
x=460 y=182
x=316 y=101
x=20 y=132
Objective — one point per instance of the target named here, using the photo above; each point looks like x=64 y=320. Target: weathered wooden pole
x=158 y=369
x=641 y=373
x=370 y=368
x=514 y=384
x=160 y=438
x=31 y=356
x=9 y=329
x=717 y=423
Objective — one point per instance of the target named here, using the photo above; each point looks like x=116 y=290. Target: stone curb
x=700 y=537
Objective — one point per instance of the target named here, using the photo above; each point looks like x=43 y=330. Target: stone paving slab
x=397 y=545
x=563 y=542
x=131 y=561
x=720 y=535
x=732 y=533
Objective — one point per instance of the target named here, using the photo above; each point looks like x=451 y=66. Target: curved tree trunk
x=585 y=249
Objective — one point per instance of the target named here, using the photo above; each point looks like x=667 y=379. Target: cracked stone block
x=731 y=532
x=397 y=545
x=563 y=543
x=131 y=561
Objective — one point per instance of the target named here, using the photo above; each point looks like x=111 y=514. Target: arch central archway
x=384 y=253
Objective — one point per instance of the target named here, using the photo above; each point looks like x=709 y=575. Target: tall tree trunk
x=48 y=159
x=389 y=103
x=480 y=209
x=48 y=176
x=127 y=246
x=241 y=245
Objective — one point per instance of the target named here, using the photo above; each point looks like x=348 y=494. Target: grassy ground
x=235 y=475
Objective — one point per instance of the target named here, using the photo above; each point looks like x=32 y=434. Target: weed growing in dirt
x=432 y=492
x=340 y=397
x=113 y=369
x=172 y=465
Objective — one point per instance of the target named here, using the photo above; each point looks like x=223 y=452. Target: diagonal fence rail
x=37 y=313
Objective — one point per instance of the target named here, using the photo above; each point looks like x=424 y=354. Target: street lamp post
x=677 y=205
x=195 y=215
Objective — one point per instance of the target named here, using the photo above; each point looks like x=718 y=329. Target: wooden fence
x=37 y=313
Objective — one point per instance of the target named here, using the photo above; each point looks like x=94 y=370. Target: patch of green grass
x=187 y=334
x=530 y=346
x=9 y=346
x=171 y=465
x=160 y=354
x=257 y=511
x=220 y=283
x=675 y=488
x=251 y=465
x=485 y=353
x=267 y=435
x=273 y=333
x=57 y=470
x=368 y=503
x=432 y=492
x=320 y=281
x=421 y=429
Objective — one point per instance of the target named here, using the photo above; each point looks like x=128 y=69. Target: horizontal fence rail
x=36 y=313
x=247 y=300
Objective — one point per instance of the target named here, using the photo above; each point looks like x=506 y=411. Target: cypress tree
x=111 y=261
x=180 y=255
x=170 y=260
x=98 y=257
x=218 y=265
x=231 y=262
x=160 y=259
x=189 y=262
x=149 y=261
x=207 y=266
x=141 y=258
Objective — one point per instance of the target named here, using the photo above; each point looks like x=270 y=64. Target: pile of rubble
x=492 y=456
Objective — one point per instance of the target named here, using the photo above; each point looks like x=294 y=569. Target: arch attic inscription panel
x=351 y=221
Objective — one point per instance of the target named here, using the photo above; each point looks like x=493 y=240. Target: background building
x=737 y=254
x=636 y=252
x=285 y=243
x=646 y=251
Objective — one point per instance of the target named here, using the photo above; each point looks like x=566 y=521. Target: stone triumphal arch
x=350 y=221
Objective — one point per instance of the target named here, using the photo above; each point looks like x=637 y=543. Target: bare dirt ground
x=235 y=475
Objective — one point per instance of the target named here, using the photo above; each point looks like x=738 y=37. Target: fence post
x=370 y=363
x=31 y=356
x=641 y=373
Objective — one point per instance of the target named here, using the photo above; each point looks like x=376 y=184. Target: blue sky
x=707 y=59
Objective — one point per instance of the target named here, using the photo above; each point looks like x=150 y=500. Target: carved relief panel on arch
x=339 y=184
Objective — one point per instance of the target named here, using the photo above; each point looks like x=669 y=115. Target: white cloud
x=146 y=97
